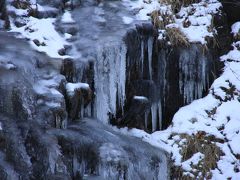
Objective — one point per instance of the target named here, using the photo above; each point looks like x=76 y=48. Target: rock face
x=36 y=142
x=170 y=77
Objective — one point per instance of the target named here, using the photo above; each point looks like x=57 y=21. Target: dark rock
x=231 y=7
x=136 y=111
x=4 y=15
x=77 y=102
x=62 y=51
x=19 y=22
x=37 y=42
x=68 y=69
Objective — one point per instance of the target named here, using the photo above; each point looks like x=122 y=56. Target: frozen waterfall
x=109 y=78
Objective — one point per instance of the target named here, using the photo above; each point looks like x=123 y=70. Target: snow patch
x=71 y=87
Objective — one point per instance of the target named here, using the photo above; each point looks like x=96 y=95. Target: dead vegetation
x=192 y=145
x=176 y=37
x=21 y=4
x=237 y=36
x=160 y=20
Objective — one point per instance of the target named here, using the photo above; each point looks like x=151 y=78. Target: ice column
x=110 y=78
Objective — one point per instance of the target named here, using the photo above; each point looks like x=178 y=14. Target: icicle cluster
x=193 y=78
x=110 y=78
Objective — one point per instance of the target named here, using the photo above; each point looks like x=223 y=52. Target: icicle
x=122 y=76
x=160 y=114
x=150 y=49
x=88 y=111
x=100 y=79
x=82 y=110
x=142 y=57
x=146 y=118
x=154 y=111
x=193 y=79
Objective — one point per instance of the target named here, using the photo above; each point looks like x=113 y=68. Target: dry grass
x=203 y=144
x=176 y=37
x=160 y=20
x=21 y=4
x=237 y=36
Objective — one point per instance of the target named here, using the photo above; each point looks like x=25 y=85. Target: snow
x=236 y=28
x=199 y=15
x=67 y=18
x=72 y=87
x=36 y=29
x=48 y=39
x=194 y=160
x=127 y=20
x=142 y=98
x=67 y=36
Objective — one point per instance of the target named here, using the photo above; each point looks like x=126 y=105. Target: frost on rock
x=110 y=78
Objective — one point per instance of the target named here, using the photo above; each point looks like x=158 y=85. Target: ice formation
x=110 y=77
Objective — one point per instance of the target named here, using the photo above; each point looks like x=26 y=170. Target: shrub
x=160 y=20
